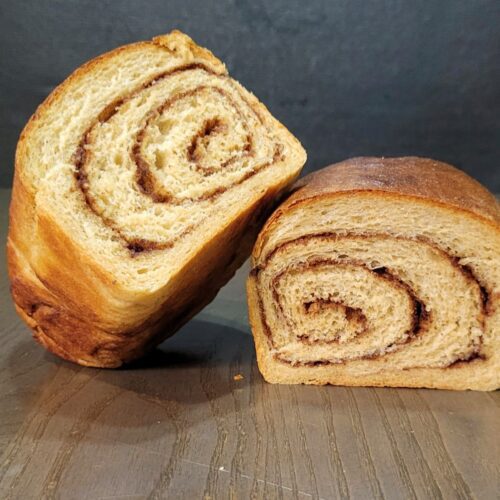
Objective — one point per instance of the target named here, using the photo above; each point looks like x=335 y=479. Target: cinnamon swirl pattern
x=140 y=186
x=380 y=272
x=191 y=145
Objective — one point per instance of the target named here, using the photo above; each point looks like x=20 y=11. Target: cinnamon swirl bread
x=380 y=272
x=140 y=184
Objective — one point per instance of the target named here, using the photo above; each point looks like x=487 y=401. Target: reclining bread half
x=139 y=188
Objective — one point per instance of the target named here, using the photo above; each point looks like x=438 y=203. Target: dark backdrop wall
x=348 y=77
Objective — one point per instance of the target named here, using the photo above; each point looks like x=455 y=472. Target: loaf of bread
x=380 y=272
x=139 y=188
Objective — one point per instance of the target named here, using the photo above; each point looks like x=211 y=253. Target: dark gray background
x=348 y=77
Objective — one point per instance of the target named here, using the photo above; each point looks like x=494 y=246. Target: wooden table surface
x=177 y=425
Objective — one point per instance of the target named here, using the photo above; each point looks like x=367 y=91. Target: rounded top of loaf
x=407 y=176
x=181 y=45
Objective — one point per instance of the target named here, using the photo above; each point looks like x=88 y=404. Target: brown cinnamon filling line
x=145 y=179
x=421 y=316
x=210 y=128
x=473 y=357
x=353 y=315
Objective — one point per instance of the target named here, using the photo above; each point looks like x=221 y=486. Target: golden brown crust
x=410 y=176
x=74 y=305
x=181 y=45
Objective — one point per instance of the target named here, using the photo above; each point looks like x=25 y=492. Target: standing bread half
x=380 y=272
x=140 y=185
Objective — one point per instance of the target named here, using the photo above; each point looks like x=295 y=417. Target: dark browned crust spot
x=421 y=317
x=145 y=180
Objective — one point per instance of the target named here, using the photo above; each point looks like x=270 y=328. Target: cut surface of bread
x=140 y=185
x=380 y=272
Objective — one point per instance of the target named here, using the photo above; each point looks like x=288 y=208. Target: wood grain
x=177 y=425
